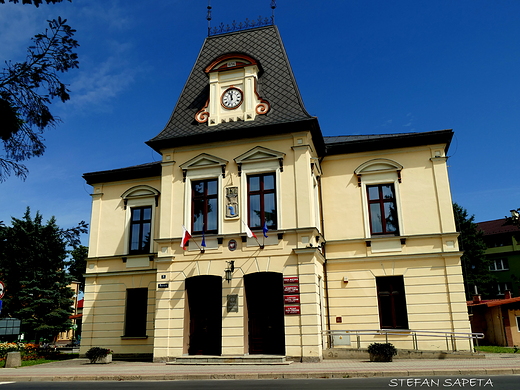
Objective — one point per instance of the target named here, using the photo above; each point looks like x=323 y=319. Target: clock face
x=232 y=98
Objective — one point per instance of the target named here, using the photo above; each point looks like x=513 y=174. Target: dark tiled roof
x=276 y=84
x=497 y=226
x=134 y=172
x=363 y=143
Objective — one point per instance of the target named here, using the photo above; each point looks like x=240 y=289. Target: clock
x=231 y=98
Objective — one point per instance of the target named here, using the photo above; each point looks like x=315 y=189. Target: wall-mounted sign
x=232 y=303
x=292 y=309
x=163 y=285
x=291 y=280
x=291 y=299
x=232 y=245
x=291 y=289
x=2 y=289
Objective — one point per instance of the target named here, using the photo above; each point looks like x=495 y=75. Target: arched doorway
x=205 y=304
x=264 y=296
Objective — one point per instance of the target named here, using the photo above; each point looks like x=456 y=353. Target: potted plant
x=99 y=355
x=381 y=352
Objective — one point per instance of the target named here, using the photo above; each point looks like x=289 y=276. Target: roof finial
x=273 y=6
x=208 y=16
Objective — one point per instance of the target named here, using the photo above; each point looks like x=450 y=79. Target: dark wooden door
x=205 y=304
x=264 y=296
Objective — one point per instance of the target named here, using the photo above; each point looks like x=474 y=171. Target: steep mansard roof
x=276 y=84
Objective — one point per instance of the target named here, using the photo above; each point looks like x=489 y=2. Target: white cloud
x=97 y=83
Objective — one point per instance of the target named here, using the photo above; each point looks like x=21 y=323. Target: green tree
x=27 y=89
x=33 y=259
x=475 y=265
x=35 y=2
x=78 y=265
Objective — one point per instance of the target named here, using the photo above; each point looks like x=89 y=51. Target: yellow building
x=352 y=233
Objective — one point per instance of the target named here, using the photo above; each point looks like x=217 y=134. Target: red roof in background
x=494 y=302
x=497 y=226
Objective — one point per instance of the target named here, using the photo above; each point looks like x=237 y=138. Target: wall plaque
x=291 y=289
x=232 y=303
x=291 y=299
x=290 y=280
x=292 y=309
x=231 y=202
x=162 y=285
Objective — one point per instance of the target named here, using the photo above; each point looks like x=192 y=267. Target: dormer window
x=233 y=91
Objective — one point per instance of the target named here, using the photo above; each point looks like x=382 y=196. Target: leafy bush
x=384 y=349
x=95 y=353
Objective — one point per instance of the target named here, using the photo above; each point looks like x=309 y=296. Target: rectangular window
x=140 y=229
x=392 y=302
x=518 y=323
x=499 y=265
x=261 y=190
x=136 y=311
x=204 y=206
x=382 y=209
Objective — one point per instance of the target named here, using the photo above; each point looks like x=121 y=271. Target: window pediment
x=378 y=165
x=140 y=191
x=259 y=154
x=204 y=160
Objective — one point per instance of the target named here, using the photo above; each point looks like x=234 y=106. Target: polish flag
x=185 y=237
x=248 y=231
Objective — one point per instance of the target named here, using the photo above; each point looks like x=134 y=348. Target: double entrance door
x=265 y=313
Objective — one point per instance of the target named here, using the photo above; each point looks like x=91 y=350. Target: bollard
x=13 y=360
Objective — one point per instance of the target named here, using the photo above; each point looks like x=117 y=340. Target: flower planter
x=104 y=360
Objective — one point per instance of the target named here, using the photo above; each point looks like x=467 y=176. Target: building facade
x=256 y=234
x=503 y=249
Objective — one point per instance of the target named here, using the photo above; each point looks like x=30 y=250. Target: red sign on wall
x=291 y=299
x=291 y=289
x=292 y=309
x=290 y=280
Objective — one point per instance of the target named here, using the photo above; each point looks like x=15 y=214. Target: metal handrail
x=451 y=337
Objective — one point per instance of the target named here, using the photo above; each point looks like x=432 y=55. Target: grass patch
x=495 y=349
x=55 y=358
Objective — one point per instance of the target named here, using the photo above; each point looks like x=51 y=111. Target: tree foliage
x=78 y=265
x=26 y=91
x=475 y=265
x=34 y=2
x=33 y=261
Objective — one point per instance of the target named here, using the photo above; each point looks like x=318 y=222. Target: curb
x=254 y=376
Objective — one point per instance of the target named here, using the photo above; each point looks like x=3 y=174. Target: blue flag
x=203 y=238
x=265 y=229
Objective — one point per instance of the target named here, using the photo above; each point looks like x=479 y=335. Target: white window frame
x=494 y=267
x=265 y=167
x=377 y=172
x=203 y=174
x=139 y=196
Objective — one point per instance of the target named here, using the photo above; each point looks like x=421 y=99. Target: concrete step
x=245 y=359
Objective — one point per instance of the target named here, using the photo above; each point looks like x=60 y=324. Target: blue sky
x=362 y=66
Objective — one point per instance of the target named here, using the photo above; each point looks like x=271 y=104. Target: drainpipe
x=325 y=279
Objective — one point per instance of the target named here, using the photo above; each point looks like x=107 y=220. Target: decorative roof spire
x=208 y=16
x=273 y=6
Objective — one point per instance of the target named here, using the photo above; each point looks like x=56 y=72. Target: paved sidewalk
x=82 y=370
